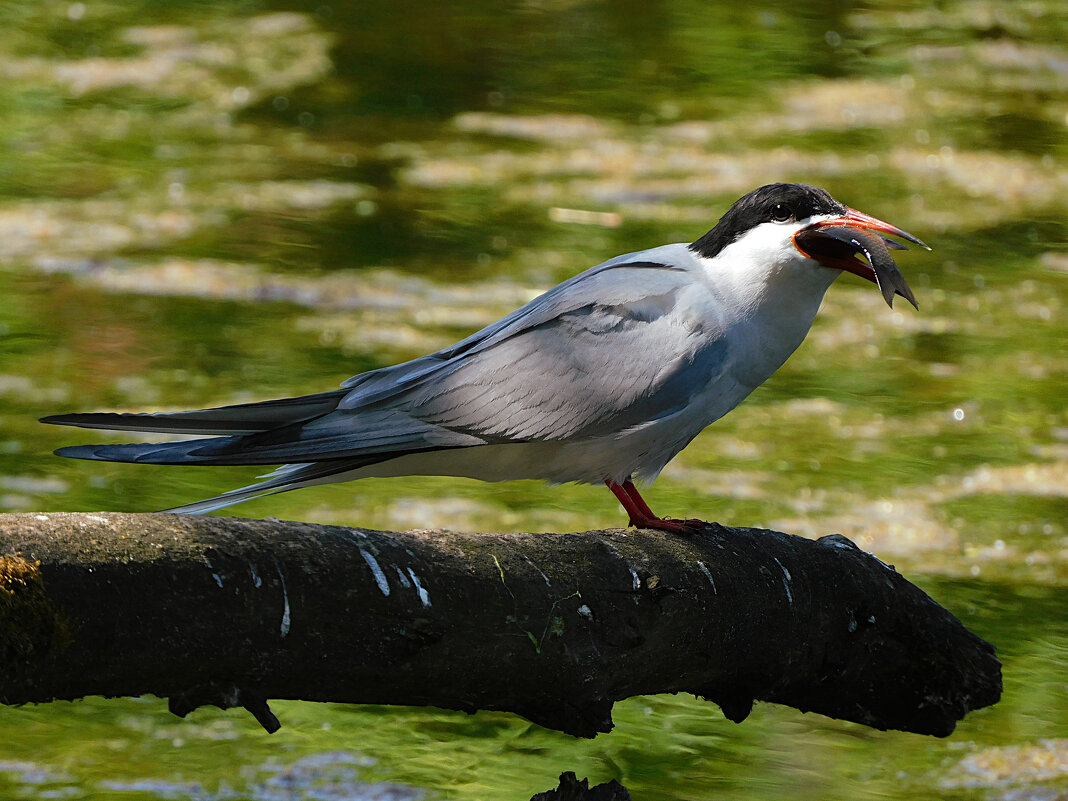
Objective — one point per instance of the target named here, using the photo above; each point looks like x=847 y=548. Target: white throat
x=763 y=268
x=773 y=292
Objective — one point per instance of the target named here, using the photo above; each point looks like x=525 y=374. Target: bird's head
x=796 y=226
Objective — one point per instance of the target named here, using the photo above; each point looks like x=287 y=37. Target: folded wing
x=560 y=368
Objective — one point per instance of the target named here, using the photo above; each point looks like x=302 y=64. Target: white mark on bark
x=284 y=629
x=785 y=580
x=712 y=581
x=424 y=596
x=402 y=578
x=376 y=571
x=540 y=571
x=214 y=575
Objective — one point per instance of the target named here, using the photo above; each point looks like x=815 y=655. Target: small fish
x=876 y=250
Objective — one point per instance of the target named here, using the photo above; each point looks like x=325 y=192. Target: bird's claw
x=689 y=527
x=694 y=525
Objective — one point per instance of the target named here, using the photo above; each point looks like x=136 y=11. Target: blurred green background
x=213 y=202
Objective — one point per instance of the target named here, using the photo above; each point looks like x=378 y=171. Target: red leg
x=632 y=491
x=628 y=503
x=641 y=516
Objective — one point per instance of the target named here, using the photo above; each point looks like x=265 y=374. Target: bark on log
x=571 y=789
x=553 y=627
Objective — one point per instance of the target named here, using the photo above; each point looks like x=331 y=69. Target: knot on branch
x=225 y=697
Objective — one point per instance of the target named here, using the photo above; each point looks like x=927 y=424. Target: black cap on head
x=771 y=203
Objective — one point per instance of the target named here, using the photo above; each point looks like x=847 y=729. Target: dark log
x=571 y=789
x=553 y=627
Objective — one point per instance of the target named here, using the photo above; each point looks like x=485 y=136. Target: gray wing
x=607 y=350
x=629 y=357
x=610 y=349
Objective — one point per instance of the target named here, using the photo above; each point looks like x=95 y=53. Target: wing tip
x=98 y=420
x=80 y=452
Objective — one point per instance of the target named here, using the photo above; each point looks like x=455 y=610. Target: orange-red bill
x=866 y=221
x=837 y=242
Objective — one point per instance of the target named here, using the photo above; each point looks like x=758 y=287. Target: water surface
x=212 y=203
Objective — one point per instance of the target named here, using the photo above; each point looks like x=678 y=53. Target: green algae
x=31 y=628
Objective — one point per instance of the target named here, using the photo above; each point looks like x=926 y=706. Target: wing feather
x=244 y=418
x=609 y=349
x=587 y=371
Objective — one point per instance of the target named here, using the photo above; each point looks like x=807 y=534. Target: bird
x=602 y=379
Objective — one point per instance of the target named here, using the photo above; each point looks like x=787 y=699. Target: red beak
x=859 y=219
x=836 y=242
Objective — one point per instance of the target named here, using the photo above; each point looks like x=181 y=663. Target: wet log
x=553 y=627
x=571 y=789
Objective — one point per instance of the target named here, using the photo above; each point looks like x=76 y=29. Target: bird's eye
x=780 y=212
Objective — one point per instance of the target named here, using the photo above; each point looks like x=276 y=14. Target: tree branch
x=553 y=627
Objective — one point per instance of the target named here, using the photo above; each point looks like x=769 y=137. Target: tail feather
x=288 y=477
x=148 y=452
x=243 y=418
x=317 y=446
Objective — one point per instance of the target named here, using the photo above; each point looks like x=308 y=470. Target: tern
x=602 y=379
